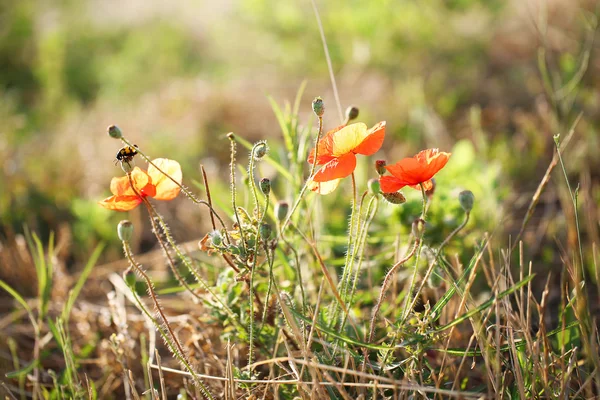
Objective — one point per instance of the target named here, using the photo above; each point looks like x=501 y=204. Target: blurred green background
x=490 y=80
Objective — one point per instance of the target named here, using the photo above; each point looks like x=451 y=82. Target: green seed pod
x=265 y=186
x=114 y=132
x=394 y=198
x=351 y=113
x=466 y=200
x=265 y=231
x=260 y=150
x=125 y=230
x=281 y=210
x=380 y=167
x=126 y=167
x=374 y=186
x=318 y=106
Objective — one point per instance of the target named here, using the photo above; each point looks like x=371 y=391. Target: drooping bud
x=394 y=198
x=466 y=199
x=216 y=238
x=374 y=186
x=265 y=186
x=281 y=210
x=265 y=230
x=114 y=132
x=418 y=227
x=380 y=167
x=351 y=113
x=129 y=277
x=260 y=150
x=318 y=106
x=125 y=230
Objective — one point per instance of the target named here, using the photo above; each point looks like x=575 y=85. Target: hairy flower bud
x=114 y=132
x=394 y=198
x=281 y=210
x=418 y=227
x=125 y=230
x=265 y=186
x=351 y=113
x=466 y=200
x=260 y=150
x=380 y=167
x=265 y=230
x=374 y=186
x=318 y=107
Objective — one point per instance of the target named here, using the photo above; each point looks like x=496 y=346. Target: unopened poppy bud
x=394 y=198
x=281 y=210
x=115 y=132
x=216 y=238
x=125 y=230
x=351 y=113
x=418 y=227
x=380 y=167
x=265 y=230
x=126 y=167
x=374 y=186
x=129 y=277
x=265 y=186
x=466 y=198
x=260 y=150
x=318 y=106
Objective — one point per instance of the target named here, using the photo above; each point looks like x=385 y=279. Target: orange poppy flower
x=337 y=153
x=414 y=171
x=147 y=184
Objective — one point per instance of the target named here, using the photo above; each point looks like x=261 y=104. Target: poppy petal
x=390 y=184
x=348 y=138
x=372 y=143
x=324 y=188
x=120 y=186
x=121 y=203
x=325 y=147
x=337 y=168
x=166 y=189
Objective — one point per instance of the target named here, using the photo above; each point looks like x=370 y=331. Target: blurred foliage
x=461 y=74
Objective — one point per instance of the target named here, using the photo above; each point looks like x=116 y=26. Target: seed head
x=466 y=199
x=114 y=132
x=260 y=150
x=281 y=210
x=125 y=230
x=318 y=106
x=265 y=186
x=265 y=231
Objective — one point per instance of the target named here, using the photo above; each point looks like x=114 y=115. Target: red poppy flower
x=337 y=153
x=414 y=171
x=147 y=184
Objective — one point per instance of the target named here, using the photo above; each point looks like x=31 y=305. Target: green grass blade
x=19 y=299
x=486 y=305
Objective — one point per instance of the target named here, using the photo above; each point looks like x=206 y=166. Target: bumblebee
x=126 y=154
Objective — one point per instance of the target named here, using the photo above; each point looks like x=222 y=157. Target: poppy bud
x=380 y=167
x=394 y=198
x=281 y=210
x=125 y=230
x=115 y=132
x=418 y=227
x=318 y=106
x=216 y=238
x=126 y=167
x=351 y=113
x=265 y=186
x=129 y=277
x=260 y=150
x=466 y=200
x=374 y=186
x=265 y=230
